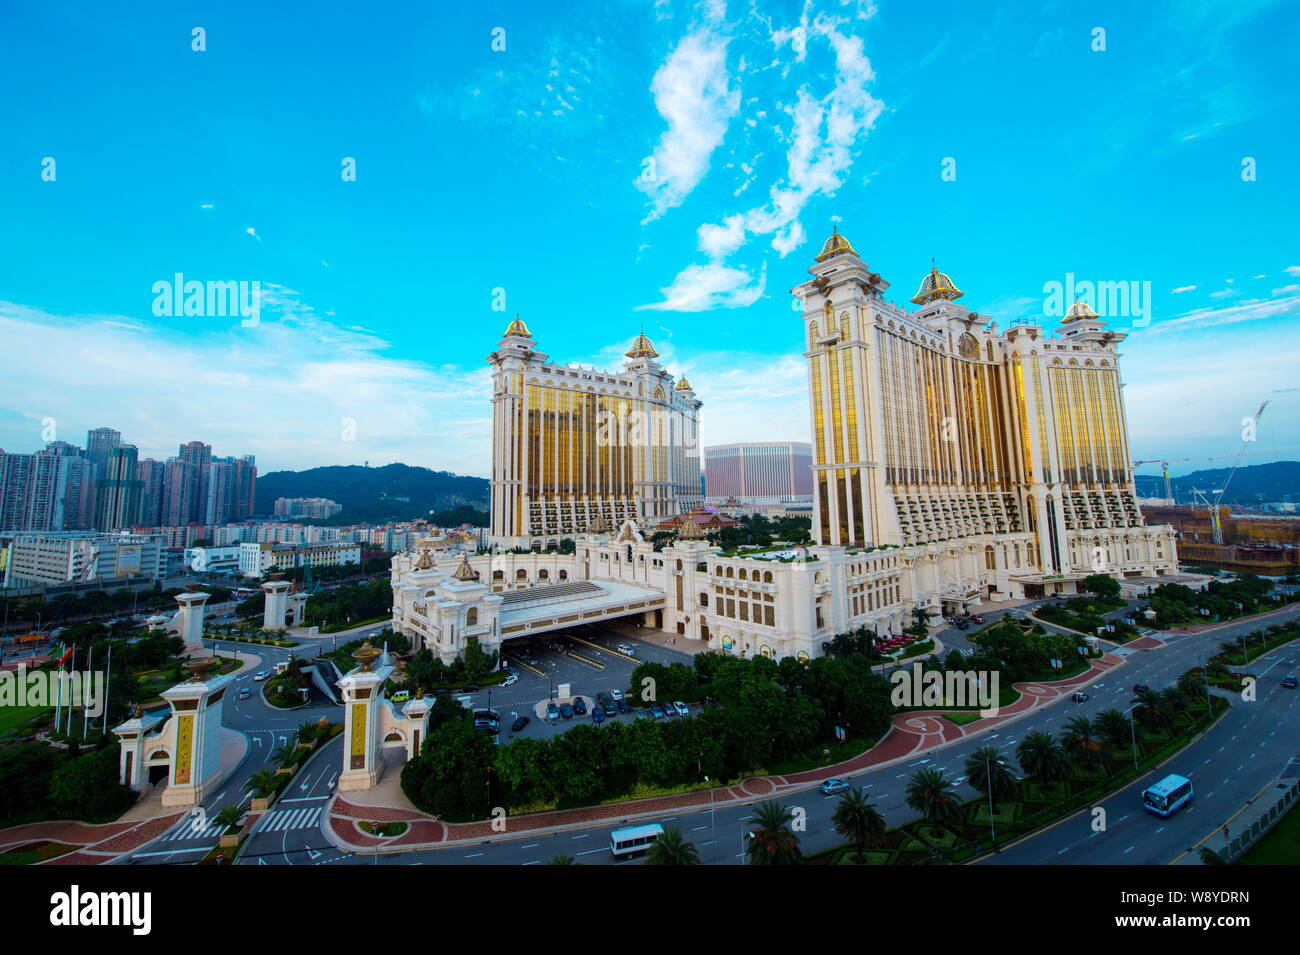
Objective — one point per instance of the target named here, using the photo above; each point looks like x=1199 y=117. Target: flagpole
x=85 y=702
x=58 y=688
x=108 y=675
x=73 y=662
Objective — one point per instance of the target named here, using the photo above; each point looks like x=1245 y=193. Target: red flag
x=64 y=659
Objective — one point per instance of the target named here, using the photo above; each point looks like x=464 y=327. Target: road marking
x=1129 y=849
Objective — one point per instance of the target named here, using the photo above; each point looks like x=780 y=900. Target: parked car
x=832 y=786
x=616 y=694
x=487 y=728
x=510 y=680
x=580 y=706
x=566 y=711
x=597 y=715
x=486 y=714
x=479 y=723
x=656 y=710
x=975 y=619
x=1080 y=696
x=963 y=624
x=622 y=706
x=681 y=708
x=552 y=711
x=1289 y=682
x=469 y=688
x=670 y=710
x=609 y=707
x=519 y=724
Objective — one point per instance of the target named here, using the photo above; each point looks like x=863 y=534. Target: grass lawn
x=1281 y=846
x=14 y=716
x=962 y=717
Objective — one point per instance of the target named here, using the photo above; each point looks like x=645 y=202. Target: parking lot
x=587 y=660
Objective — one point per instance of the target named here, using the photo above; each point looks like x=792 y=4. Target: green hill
x=1252 y=484
x=394 y=492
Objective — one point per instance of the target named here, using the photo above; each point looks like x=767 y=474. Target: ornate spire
x=683 y=385
x=835 y=245
x=598 y=526
x=936 y=285
x=690 y=530
x=642 y=347
x=1080 y=312
x=424 y=561
x=517 y=327
x=464 y=571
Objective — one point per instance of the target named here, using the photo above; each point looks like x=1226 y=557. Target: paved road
x=1268 y=731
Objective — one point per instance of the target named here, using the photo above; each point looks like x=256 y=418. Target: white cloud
x=693 y=93
x=279 y=390
x=1182 y=288
x=1292 y=270
x=699 y=288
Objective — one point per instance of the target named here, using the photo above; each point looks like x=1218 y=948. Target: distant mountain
x=394 y=492
x=1253 y=484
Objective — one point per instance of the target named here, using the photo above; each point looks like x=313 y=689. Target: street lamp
x=1132 y=727
x=713 y=826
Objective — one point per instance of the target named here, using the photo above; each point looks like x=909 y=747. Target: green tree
x=671 y=848
x=1113 y=726
x=229 y=816
x=1080 y=740
x=1103 y=585
x=858 y=821
x=930 y=793
x=773 y=842
x=1041 y=757
x=987 y=771
x=88 y=786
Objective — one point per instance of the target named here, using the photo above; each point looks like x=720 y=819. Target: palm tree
x=858 y=821
x=1151 y=708
x=306 y=731
x=561 y=859
x=230 y=816
x=672 y=849
x=988 y=772
x=1079 y=739
x=262 y=781
x=1113 y=726
x=931 y=794
x=773 y=842
x=1041 y=757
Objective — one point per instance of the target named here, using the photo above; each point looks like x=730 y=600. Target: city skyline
x=808 y=116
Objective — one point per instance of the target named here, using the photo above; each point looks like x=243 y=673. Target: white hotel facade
x=954 y=464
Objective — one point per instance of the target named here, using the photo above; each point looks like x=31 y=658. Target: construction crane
x=1216 y=524
x=1164 y=466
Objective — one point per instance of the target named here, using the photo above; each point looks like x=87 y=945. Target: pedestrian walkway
x=283 y=820
x=186 y=830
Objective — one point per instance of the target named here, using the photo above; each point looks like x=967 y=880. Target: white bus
x=1167 y=796
x=626 y=842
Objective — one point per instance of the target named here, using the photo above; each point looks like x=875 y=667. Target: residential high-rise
x=117 y=493
x=178 y=493
x=99 y=441
x=576 y=445
x=152 y=475
x=199 y=457
x=933 y=425
x=759 y=471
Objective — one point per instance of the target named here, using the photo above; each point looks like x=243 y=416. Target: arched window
x=471 y=616
x=564 y=575
x=498 y=575
x=704 y=600
x=521 y=575
x=543 y=575
x=767 y=576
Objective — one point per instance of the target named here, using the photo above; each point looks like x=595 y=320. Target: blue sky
x=525 y=169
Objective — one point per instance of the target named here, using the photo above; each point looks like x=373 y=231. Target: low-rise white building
x=257 y=559
x=58 y=557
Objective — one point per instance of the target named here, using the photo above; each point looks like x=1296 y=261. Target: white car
x=624 y=648
x=510 y=680
x=260 y=675
x=616 y=695
x=681 y=708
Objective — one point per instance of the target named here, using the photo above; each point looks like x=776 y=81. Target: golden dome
x=835 y=245
x=642 y=348
x=936 y=285
x=517 y=327
x=1080 y=311
x=683 y=385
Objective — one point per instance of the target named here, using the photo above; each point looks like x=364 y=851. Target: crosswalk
x=187 y=830
x=281 y=820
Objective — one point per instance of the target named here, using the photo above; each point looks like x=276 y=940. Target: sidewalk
x=1244 y=827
